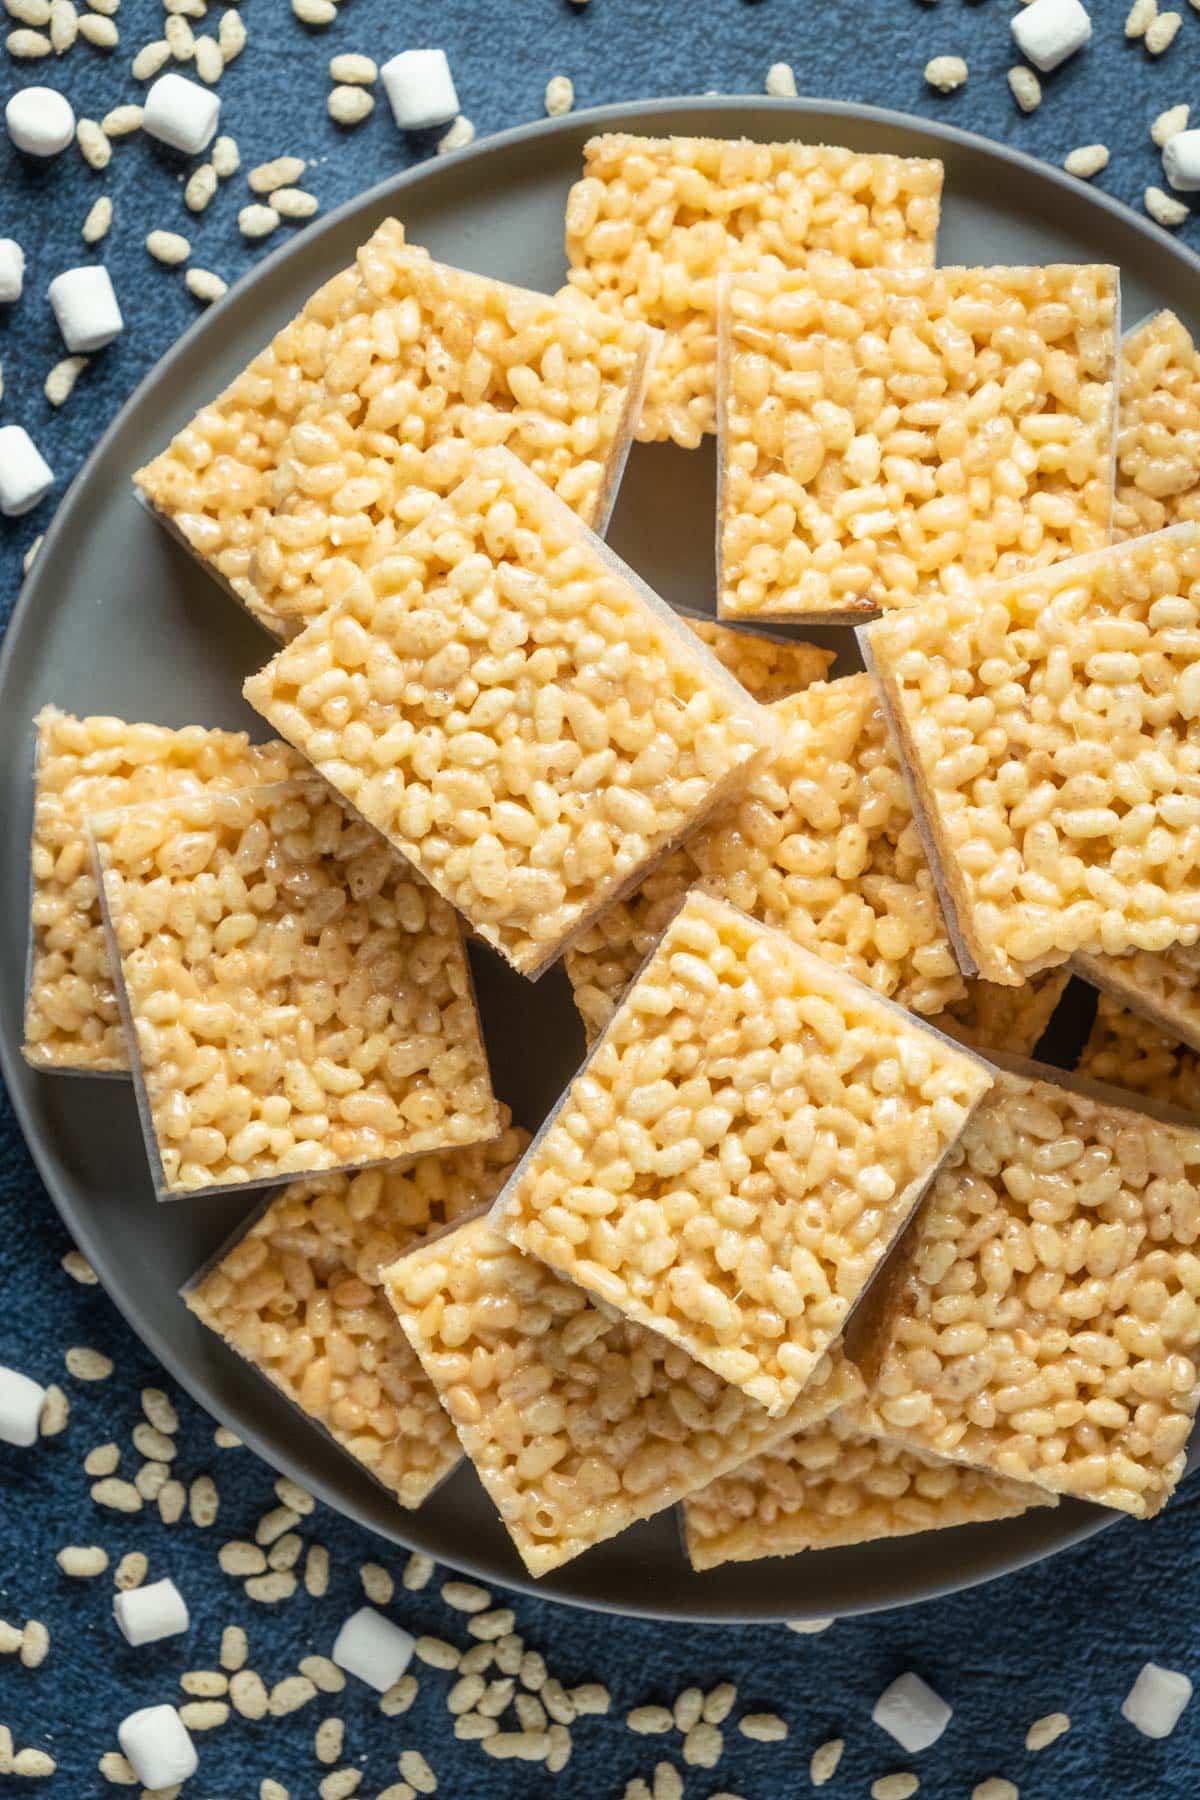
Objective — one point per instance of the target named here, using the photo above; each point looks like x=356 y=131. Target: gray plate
x=115 y=618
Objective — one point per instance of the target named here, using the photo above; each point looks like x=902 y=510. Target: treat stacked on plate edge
x=805 y=1245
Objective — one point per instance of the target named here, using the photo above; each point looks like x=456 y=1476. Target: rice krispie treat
x=770 y=668
x=298 y=1000
x=1042 y=1320
x=578 y=1422
x=886 y=435
x=1165 y=987
x=1158 y=437
x=425 y=355
x=835 y=1483
x=213 y=486
x=1050 y=727
x=654 y=221
x=989 y=1017
x=515 y=711
x=1127 y=1050
x=299 y=1293
x=72 y=1019
x=741 y=1148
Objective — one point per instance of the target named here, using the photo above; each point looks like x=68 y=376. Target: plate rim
x=633 y=115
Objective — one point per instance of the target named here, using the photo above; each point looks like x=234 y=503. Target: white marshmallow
x=20 y=1398
x=86 y=307
x=156 y=1742
x=1156 y=1700
x=371 y=1647
x=912 y=1713
x=181 y=113
x=421 y=89
x=25 y=478
x=1181 y=161
x=145 y=1614
x=1051 y=30
x=40 y=121
x=12 y=270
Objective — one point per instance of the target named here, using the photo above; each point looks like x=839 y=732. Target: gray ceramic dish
x=116 y=618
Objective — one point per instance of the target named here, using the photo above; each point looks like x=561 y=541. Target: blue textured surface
x=1069 y=1635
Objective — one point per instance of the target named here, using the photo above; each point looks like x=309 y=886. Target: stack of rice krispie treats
x=807 y=1246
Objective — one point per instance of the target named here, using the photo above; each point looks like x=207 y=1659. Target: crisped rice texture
x=654 y=221
x=1158 y=439
x=213 y=486
x=300 y=1296
x=1052 y=727
x=510 y=707
x=299 y=1000
x=989 y=1017
x=836 y=1483
x=1043 y=1318
x=427 y=354
x=885 y=435
x=604 y=958
x=770 y=668
x=1164 y=987
x=1126 y=1049
x=743 y=1145
x=72 y=1019
x=579 y=1423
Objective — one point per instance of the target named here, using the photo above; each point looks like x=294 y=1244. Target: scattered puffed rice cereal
x=87 y=1365
x=894 y=1787
x=1026 y=88
x=131 y=1570
x=225 y=156
x=781 y=81
x=294 y=203
x=1168 y=124
x=460 y=134
x=121 y=121
x=825 y=1760
x=560 y=95
x=202 y=284
x=82 y=1560
x=1140 y=15
x=946 y=73
x=79 y=1268
x=353 y=68
x=1044 y=1731
x=200 y=188
x=283 y=171
x=1162 y=209
x=349 y=105
x=98 y=221
x=1161 y=32
x=1087 y=161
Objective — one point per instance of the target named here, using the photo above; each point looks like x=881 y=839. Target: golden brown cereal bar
x=654 y=221
x=1126 y=1049
x=1164 y=987
x=298 y=1000
x=513 y=709
x=886 y=435
x=1158 y=437
x=579 y=1423
x=1049 y=725
x=299 y=1294
x=1043 y=1318
x=213 y=486
x=744 y=1143
x=989 y=1017
x=425 y=355
x=768 y=667
x=835 y=1483
x=72 y=1020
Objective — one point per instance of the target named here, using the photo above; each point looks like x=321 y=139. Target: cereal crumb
x=349 y=106
x=248 y=1692
x=223 y=1438
x=1161 y=32
x=131 y=1570
x=1140 y=15
x=204 y=1684
x=825 y=1760
x=56 y=1409
x=203 y=1501
x=1046 y=1730
x=288 y=1695
x=235 y=1648
x=35 y=1644
x=781 y=81
x=763 y=1728
x=399 y=1697
x=75 y=1262
x=280 y=1584
x=560 y=96
x=465 y=1597
x=168 y=247
x=460 y=134
x=88 y=1365
x=377 y=1584
x=417 y=1571
x=1163 y=209
x=204 y=1715
x=647 y=1719
x=1087 y=161
x=82 y=1560
x=1026 y=88
x=945 y=74
x=702 y=1746
x=117 y=1495
x=316 y=1570
x=1170 y=123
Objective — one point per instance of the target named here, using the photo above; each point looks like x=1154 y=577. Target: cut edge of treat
x=1106 y=974
x=279 y=631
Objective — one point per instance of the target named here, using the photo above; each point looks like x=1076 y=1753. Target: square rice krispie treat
x=72 y=1019
x=298 y=1001
x=1165 y=987
x=515 y=711
x=654 y=221
x=769 y=667
x=299 y=1293
x=1050 y=726
x=740 y=1150
x=989 y=1017
x=1127 y=1050
x=213 y=486
x=1158 y=436
x=835 y=1483
x=1042 y=1319
x=886 y=435
x=427 y=355
x=578 y=1422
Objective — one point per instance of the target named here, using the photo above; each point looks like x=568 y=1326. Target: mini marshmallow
x=1156 y=1700
x=12 y=270
x=371 y=1647
x=40 y=121
x=1181 y=161
x=421 y=89
x=181 y=113
x=86 y=307
x=25 y=478
x=145 y=1614
x=912 y=1713
x=1051 y=30
x=156 y=1742
x=21 y=1399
